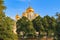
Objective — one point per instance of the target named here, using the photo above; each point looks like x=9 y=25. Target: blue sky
x=42 y=7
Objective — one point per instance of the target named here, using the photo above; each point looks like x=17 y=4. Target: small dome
x=36 y=15
x=24 y=14
x=17 y=17
x=30 y=9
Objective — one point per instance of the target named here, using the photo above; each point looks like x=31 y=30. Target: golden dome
x=30 y=9
x=17 y=17
x=35 y=15
x=24 y=14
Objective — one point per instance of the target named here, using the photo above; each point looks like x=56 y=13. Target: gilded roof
x=30 y=9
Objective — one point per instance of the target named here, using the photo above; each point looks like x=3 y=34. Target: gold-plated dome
x=17 y=17
x=35 y=15
x=24 y=14
x=30 y=9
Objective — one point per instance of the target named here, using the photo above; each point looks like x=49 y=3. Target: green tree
x=58 y=25
x=6 y=25
x=49 y=25
x=37 y=23
x=53 y=24
x=25 y=25
x=46 y=24
x=6 y=29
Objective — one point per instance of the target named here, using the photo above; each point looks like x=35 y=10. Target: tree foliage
x=40 y=24
x=58 y=26
x=24 y=24
x=6 y=24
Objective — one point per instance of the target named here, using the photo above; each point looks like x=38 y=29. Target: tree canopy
x=6 y=25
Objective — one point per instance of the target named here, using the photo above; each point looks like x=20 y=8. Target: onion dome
x=17 y=17
x=30 y=9
x=35 y=15
x=24 y=14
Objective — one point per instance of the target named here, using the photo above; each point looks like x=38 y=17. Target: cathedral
x=29 y=13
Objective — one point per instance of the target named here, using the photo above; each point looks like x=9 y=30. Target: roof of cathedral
x=17 y=15
x=30 y=9
x=36 y=14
